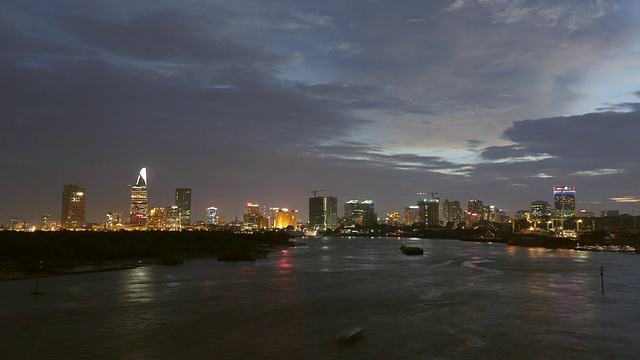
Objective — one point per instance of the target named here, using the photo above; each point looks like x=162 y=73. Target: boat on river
x=542 y=240
x=411 y=250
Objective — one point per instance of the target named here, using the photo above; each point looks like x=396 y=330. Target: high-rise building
x=452 y=213
x=429 y=212
x=564 y=198
x=433 y=212
x=139 y=210
x=183 y=202
x=323 y=213
x=286 y=218
x=45 y=222
x=475 y=206
x=114 y=219
x=211 y=216
x=273 y=211
x=411 y=215
x=540 y=209
x=157 y=218
x=74 y=206
x=474 y=211
x=173 y=218
x=359 y=212
x=253 y=215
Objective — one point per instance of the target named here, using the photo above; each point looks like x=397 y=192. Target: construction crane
x=317 y=191
x=433 y=194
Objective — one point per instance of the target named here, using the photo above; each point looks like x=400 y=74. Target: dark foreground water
x=463 y=301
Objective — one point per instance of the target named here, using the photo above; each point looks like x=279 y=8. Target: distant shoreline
x=46 y=254
x=12 y=275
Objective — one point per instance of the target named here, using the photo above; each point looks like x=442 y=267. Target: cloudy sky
x=265 y=101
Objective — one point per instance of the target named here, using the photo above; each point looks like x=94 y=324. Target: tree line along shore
x=52 y=252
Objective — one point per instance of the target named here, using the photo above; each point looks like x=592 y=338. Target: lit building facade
x=411 y=215
x=173 y=218
x=253 y=215
x=114 y=218
x=393 y=218
x=16 y=224
x=474 y=211
x=139 y=210
x=451 y=213
x=157 y=219
x=74 y=207
x=273 y=211
x=285 y=218
x=211 y=216
x=540 y=209
x=475 y=206
x=429 y=211
x=323 y=213
x=564 y=198
x=359 y=212
x=45 y=222
x=183 y=202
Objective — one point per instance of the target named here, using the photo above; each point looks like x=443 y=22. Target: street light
x=578 y=225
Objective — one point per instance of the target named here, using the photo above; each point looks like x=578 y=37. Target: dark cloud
x=570 y=147
x=242 y=99
x=368 y=97
x=170 y=35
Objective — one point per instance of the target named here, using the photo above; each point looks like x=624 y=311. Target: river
x=462 y=300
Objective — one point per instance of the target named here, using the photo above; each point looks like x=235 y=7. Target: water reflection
x=137 y=285
x=539 y=304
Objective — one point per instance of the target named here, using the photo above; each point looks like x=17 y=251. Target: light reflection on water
x=463 y=300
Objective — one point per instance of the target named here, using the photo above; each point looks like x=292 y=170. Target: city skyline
x=244 y=101
x=563 y=200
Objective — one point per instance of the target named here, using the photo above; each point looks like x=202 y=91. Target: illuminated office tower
x=273 y=211
x=452 y=213
x=285 y=218
x=253 y=215
x=359 y=212
x=540 y=209
x=183 y=202
x=74 y=206
x=411 y=215
x=564 y=198
x=157 y=218
x=139 y=210
x=323 y=213
x=211 y=216
x=173 y=218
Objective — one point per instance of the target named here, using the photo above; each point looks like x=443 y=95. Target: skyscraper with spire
x=139 y=210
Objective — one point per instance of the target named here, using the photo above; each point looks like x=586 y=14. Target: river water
x=462 y=300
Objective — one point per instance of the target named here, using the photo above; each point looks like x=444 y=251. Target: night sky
x=265 y=101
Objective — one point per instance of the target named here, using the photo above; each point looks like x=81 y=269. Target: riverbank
x=41 y=254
